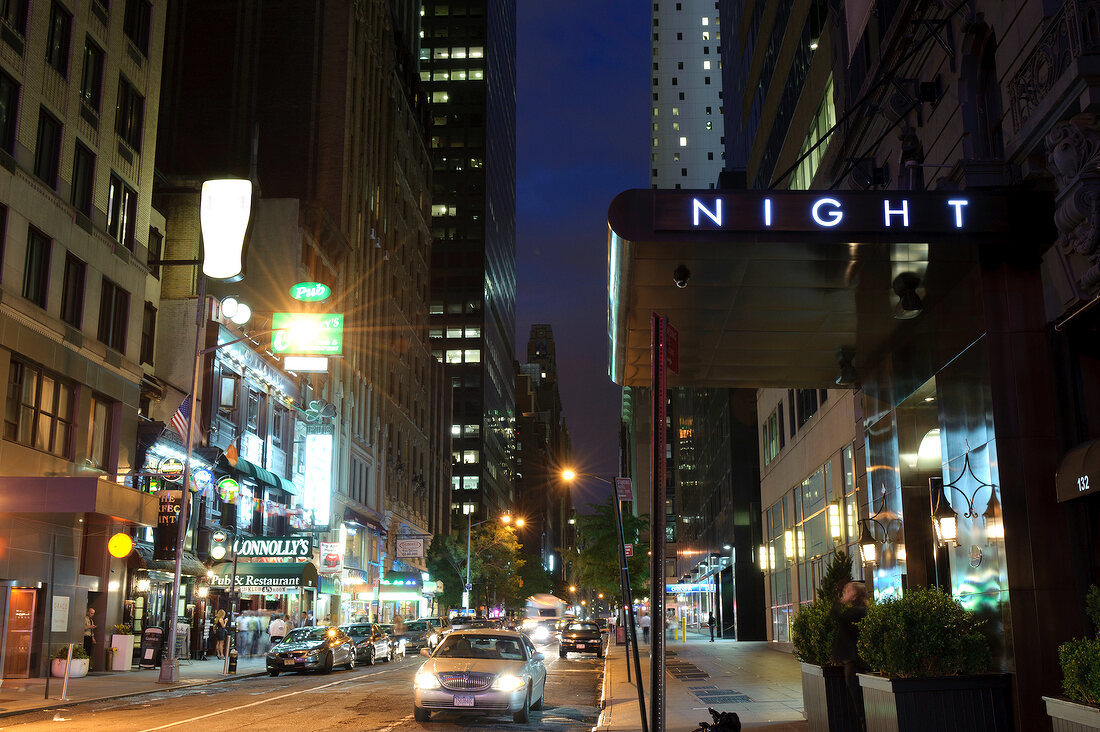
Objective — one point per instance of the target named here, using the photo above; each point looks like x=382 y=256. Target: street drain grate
x=714 y=695
x=735 y=699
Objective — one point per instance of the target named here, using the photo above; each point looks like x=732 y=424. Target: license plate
x=288 y=662
x=464 y=701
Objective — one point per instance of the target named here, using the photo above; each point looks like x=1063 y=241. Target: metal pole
x=231 y=634
x=65 y=683
x=168 y=672
x=657 y=526
x=628 y=603
x=466 y=588
x=49 y=617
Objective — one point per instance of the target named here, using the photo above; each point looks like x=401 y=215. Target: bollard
x=65 y=684
x=684 y=630
x=232 y=661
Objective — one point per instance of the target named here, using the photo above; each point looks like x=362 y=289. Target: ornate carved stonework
x=1073 y=156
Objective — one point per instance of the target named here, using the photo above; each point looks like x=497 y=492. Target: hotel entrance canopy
x=781 y=280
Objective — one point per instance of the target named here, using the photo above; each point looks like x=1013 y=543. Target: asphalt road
x=375 y=698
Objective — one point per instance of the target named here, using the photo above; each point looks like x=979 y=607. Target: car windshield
x=417 y=625
x=582 y=626
x=303 y=635
x=356 y=629
x=482 y=646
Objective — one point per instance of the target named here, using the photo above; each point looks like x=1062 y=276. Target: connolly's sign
x=286 y=547
x=887 y=213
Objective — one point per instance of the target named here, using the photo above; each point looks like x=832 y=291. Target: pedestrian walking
x=851 y=609
x=303 y=622
x=255 y=630
x=277 y=629
x=710 y=622
x=644 y=622
x=89 y=634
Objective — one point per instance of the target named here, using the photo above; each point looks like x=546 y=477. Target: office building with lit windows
x=687 y=136
x=467 y=65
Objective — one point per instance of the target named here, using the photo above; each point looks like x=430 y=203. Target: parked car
x=400 y=640
x=426 y=632
x=481 y=671
x=314 y=648
x=581 y=637
x=469 y=622
x=372 y=642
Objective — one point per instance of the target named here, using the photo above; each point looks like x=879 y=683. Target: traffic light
x=220 y=543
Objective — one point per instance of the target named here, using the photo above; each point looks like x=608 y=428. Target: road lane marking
x=396 y=724
x=265 y=701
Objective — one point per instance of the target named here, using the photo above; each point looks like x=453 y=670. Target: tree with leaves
x=496 y=566
x=596 y=567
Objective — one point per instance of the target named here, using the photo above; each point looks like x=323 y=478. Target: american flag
x=181 y=417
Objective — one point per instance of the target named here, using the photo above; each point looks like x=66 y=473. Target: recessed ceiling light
x=930 y=399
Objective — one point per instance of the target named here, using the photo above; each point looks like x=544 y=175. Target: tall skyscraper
x=467 y=62
x=687 y=138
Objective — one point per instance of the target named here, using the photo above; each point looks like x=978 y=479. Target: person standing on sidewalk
x=851 y=609
x=89 y=633
x=710 y=622
x=644 y=622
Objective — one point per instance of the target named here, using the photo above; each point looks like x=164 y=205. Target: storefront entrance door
x=17 y=660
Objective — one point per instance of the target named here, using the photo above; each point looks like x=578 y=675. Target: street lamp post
x=624 y=580
x=224 y=212
x=506 y=518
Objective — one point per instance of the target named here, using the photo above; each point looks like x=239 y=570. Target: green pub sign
x=310 y=291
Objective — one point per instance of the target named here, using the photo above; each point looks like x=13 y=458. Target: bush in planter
x=62 y=653
x=923 y=633
x=813 y=629
x=1080 y=661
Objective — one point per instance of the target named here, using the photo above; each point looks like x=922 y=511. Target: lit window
x=435 y=333
x=477 y=52
x=439 y=209
x=683 y=142
x=654 y=111
x=654 y=142
x=454 y=356
x=469 y=457
x=706 y=21
x=438 y=97
x=458 y=53
x=454 y=331
x=706 y=34
x=471 y=430
x=452 y=211
x=477 y=74
x=435 y=308
x=456 y=430
x=473 y=355
x=441 y=53
x=425 y=76
x=706 y=66
x=675 y=111
x=456 y=482
x=473 y=331
x=468 y=508
x=710 y=125
x=675 y=126
x=459 y=76
x=469 y=482
x=655 y=127
x=441 y=75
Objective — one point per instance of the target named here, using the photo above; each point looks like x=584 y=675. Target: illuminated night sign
x=318 y=477
x=310 y=291
x=274 y=546
x=308 y=334
x=685 y=588
x=880 y=214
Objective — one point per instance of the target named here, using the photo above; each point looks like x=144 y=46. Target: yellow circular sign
x=120 y=545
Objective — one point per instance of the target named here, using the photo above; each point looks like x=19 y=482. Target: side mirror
x=425 y=653
x=539 y=656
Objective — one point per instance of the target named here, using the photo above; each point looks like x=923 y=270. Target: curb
x=58 y=704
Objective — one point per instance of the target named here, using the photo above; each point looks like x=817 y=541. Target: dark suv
x=426 y=632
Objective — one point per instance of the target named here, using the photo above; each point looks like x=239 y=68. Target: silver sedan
x=308 y=649
x=481 y=671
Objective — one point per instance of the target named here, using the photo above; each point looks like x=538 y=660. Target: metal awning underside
x=774 y=293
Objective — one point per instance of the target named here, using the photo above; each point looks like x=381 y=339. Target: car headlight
x=425 y=680
x=509 y=682
x=540 y=632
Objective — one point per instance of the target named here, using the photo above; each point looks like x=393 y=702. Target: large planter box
x=78 y=669
x=124 y=657
x=1070 y=716
x=978 y=703
x=825 y=698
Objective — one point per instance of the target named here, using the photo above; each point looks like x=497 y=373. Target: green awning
x=266 y=577
x=264 y=476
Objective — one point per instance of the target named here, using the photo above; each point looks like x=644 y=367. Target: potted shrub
x=123 y=643
x=931 y=664
x=1080 y=661
x=77 y=669
x=813 y=631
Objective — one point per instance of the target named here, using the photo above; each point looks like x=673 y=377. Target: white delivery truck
x=544 y=612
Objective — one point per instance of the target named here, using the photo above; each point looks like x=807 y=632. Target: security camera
x=681 y=276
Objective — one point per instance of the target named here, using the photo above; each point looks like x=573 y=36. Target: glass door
x=17 y=662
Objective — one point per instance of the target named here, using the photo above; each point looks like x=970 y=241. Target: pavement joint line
x=261 y=701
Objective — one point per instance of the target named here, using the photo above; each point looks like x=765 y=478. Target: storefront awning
x=266 y=577
x=400 y=587
x=63 y=494
x=143 y=559
x=773 y=283
x=264 y=476
x=1079 y=472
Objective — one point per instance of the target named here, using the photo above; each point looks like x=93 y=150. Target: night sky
x=582 y=137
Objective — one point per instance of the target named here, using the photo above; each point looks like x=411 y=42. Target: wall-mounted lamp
x=845 y=356
x=235 y=310
x=909 y=302
x=835 y=530
x=143 y=585
x=868 y=542
x=945 y=517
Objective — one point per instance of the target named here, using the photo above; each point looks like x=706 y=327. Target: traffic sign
x=469 y=587
x=623 y=489
x=629 y=549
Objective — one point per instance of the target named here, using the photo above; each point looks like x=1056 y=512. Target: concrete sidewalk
x=26 y=695
x=762 y=685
